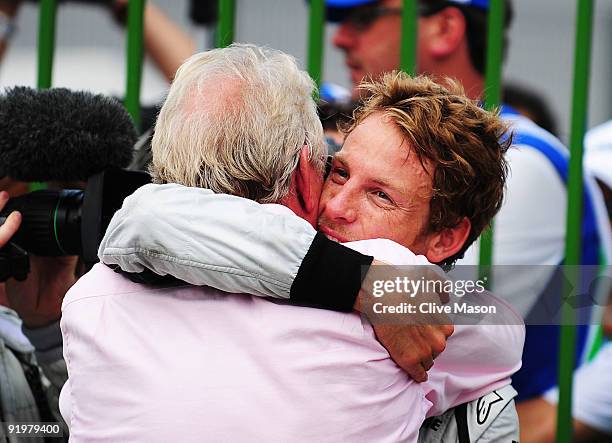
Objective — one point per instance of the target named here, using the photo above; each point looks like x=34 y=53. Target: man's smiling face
x=377 y=188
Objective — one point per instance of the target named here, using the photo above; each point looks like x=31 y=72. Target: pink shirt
x=194 y=364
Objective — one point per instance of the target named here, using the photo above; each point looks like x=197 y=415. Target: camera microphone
x=62 y=135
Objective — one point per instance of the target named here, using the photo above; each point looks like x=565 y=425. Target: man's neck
x=474 y=87
x=292 y=202
x=458 y=66
x=472 y=81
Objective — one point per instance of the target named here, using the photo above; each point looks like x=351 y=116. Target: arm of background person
x=238 y=245
x=166 y=42
x=591 y=405
x=8 y=9
x=538 y=420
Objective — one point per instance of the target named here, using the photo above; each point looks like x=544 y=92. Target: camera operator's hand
x=37 y=299
x=12 y=223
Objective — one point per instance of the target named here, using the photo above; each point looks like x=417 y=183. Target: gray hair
x=235 y=121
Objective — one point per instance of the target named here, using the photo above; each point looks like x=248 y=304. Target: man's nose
x=344 y=38
x=341 y=207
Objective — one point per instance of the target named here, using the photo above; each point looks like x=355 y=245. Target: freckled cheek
x=385 y=224
x=369 y=223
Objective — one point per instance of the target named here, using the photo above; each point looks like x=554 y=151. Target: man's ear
x=306 y=183
x=444 y=32
x=448 y=241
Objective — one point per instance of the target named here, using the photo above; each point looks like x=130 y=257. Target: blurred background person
x=598 y=159
x=531 y=104
x=592 y=386
x=166 y=43
x=591 y=401
x=8 y=11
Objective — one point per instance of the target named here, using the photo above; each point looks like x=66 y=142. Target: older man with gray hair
x=238 y=121
x=174 y=362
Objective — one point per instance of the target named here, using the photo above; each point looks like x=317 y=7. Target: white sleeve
x=203 y=238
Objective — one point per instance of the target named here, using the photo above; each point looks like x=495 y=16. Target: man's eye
x=381 y=195
x=339 y=174
x=362 y=19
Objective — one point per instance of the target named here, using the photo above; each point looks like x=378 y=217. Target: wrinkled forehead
x=377 y=150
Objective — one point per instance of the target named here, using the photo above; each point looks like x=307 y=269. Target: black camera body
x=66 y=222
x=61 y=135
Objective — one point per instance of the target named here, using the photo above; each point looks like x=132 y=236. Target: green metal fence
x=582 y=57
x=135 y=54
x=492 y=98
x=135 y=51
x=225 y=28
x=46 y=42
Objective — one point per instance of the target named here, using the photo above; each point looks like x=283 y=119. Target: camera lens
x=51 y=222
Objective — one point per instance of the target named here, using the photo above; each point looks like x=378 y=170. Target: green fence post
x=46 y=42
x=316 y=34
x=492 y=99
x=409 y=36
x=582 y=58
x=46 y=51
x=135 y=54
x=225 y=27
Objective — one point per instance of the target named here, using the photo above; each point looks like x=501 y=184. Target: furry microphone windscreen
x=62 y=135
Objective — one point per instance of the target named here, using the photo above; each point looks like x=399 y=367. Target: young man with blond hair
x=530 y=227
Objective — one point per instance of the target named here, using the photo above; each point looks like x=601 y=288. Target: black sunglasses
x=362 y=17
